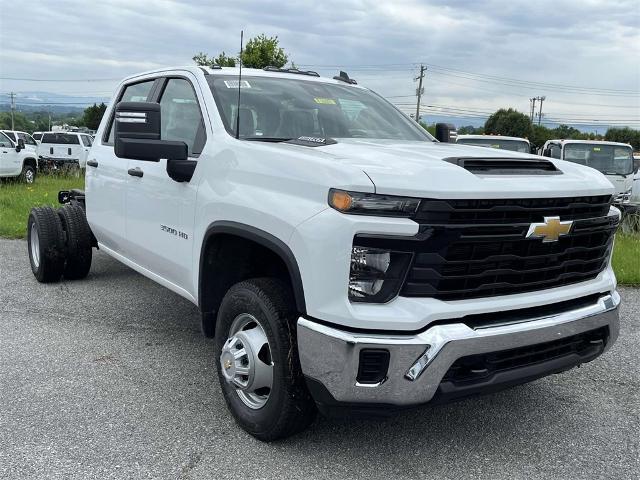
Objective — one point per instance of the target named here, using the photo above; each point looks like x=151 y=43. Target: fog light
x=376 y=274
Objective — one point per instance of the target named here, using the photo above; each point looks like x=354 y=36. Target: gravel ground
x=110 y=378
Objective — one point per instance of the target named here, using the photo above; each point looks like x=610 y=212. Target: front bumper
x=418 y=362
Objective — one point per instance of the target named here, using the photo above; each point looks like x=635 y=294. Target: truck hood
x=417 y=169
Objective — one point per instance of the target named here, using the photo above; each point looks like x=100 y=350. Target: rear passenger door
x=106 y=177
x=160 y=211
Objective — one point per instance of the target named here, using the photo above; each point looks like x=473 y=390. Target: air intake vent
x=506 y=166
x=373 y=366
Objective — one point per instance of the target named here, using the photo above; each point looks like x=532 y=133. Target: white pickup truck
x=16 y=160
x=64 y=149
x=343 y=259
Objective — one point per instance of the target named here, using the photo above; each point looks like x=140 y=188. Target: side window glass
x=86 y=140
x=181 y=117
x=137 y=92
x=4 y=141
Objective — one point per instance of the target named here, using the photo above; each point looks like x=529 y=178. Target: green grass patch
x=626 y=259
x=17 y=198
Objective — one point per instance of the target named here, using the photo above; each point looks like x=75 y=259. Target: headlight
x=372 y=204
x=624 y=197
x=376 y=274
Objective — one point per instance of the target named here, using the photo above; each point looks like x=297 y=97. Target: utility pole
x=533 y=107
x=542 y=99
x=419 y=91
x=13 y=107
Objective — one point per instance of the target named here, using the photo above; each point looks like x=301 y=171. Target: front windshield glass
x=609 y=159
x=283 y=108
x=502 y=144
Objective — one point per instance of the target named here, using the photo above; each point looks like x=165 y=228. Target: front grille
x=479 y=368
x=477 y=248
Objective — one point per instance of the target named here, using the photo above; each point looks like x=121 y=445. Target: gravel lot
x=110 y=378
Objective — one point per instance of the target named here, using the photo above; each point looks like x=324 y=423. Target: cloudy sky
x=583 y=55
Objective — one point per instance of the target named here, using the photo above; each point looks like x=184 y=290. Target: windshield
x=282 y=108
x=609 y=159
x=502 y=144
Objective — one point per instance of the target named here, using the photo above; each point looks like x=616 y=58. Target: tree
x=508 y=122
x=624 y=135
x=93 y=115
x=263 y=51
x=222 y=60
x=259 y=52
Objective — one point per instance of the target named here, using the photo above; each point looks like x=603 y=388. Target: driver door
x=160 y=210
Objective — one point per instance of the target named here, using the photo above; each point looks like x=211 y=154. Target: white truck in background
x=30 y=143
x=613 y=159
x=343 y=259
x=501 y=142
x=16 y=160
x=64 y=149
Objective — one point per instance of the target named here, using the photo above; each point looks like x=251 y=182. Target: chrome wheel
x=246 y=361
x=29 y=176
x=35 y=245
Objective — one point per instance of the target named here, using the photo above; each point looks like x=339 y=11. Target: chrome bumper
x=418 y=362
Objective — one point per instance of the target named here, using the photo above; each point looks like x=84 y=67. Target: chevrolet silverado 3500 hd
x=342 y=258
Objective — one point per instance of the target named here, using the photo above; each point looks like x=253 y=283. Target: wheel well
x=233 y=254
x=30 y=161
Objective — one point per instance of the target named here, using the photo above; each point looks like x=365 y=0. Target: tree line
x=39 y=121
x=510 y=122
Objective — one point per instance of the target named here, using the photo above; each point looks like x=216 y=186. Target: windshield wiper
x=267 y=139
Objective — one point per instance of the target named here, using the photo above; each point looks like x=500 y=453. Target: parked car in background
x=64 y=149
x=514 y=144
x=29 y=142
x=16 y=160
x=613 y=159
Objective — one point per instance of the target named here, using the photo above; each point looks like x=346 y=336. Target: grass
x=17 y=198
x=626 y=259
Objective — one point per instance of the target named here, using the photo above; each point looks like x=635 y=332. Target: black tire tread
x=298 y=410
x=51 y=237
x=79 y=253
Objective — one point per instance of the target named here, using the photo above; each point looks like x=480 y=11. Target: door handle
x=92 y=163
x=135 y=172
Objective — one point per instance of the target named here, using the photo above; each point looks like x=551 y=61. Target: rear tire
x=29 y=174
x=78 y=250
x=46 y=244
x=258 y=316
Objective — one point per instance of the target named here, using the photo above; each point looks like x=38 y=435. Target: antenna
x=239 y=86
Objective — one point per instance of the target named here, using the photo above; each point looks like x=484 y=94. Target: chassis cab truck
x=614 y=160
x=342 y=258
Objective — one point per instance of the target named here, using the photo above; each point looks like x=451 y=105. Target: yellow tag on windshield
x=325 y=101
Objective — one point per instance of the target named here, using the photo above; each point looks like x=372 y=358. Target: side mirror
x=445 y=132
x=20 y=145
x=137 y=134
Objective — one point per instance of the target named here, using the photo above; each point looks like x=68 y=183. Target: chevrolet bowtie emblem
x=549 y=230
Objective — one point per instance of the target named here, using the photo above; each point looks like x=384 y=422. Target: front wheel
x=29 y=173
x=257 y=360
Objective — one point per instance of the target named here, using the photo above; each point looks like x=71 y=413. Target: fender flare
x=263 y=238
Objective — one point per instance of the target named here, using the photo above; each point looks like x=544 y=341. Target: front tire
x=257 y=360
x=29 y=174
x=45 y=240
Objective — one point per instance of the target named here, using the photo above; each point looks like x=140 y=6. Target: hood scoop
x=505 y=166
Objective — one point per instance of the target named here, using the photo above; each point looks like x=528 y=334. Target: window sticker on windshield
x=234 y=84
x=596 y=149
x=325 y=101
